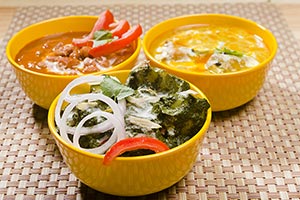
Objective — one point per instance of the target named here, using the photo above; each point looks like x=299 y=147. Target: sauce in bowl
x=55 y=54
x=210 y=48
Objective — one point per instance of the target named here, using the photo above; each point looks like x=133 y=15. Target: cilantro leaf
x=114 y=89
x=229 y=52
x=102 y=35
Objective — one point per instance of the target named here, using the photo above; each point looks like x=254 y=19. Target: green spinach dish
x=150 y=104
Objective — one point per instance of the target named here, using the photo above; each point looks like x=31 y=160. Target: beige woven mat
x=249 y=153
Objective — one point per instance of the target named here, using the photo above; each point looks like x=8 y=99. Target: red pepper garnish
x=103 y=22
x=110 y=47
x=120 y=28
x=130 y=144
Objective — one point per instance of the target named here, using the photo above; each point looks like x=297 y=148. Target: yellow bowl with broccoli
x=156 y=129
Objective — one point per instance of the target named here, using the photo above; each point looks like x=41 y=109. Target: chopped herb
x=112 y=88
x=229 y=52
x=102 y=35
x=200 y=52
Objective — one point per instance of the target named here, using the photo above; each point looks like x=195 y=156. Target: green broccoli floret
x=181 y=117
x=179 y=113
x=157 y=79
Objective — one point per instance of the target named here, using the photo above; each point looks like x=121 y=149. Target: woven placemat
x=251 y=152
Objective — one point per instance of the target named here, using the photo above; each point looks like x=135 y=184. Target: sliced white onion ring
x=114 y=120
x=116 y=136
x=65 y=94
x=102 y=127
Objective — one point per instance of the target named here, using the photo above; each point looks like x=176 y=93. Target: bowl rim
x=134 y=55
x=199 y=134
x=203 y=15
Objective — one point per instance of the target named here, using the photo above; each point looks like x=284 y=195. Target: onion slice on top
x=114 y=137
x=67 y=97
x=114 y=120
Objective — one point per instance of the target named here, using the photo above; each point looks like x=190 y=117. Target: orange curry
x=55 y=54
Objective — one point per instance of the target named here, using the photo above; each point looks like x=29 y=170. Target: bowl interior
x=47 y=27
x=122 y=76
x=130 y=176
x=54 y=26
x=34 y=83
x=150 y=39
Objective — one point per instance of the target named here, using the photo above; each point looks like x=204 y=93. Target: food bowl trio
x=128 y=128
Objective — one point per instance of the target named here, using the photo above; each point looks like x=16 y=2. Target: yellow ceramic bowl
x=43 y=88
x=130 y=176
x=224 y=91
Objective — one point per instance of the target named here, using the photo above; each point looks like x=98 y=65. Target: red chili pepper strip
x=110 y=47
x=103 y=22
x=121 y=27
x=130 y=144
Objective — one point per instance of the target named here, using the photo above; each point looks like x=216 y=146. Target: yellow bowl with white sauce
x=226 y=56
x=130 y=176
x=42 y=88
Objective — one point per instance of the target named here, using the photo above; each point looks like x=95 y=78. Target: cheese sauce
x=210 y=48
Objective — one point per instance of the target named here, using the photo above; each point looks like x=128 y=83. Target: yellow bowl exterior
x=43 y=88
x=130 y=176
x=224 y=91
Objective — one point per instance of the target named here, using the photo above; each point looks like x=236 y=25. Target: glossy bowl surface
x=130 y=176
x=43 y=88
x=224 y=91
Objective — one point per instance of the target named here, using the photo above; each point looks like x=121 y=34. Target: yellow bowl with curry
x=45 y=59
x=227 y=57
x=134 y=174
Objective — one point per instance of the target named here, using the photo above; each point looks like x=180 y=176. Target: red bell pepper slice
x=120 y=28
x=130 y=144
x=110 y=47
x=103 y=22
